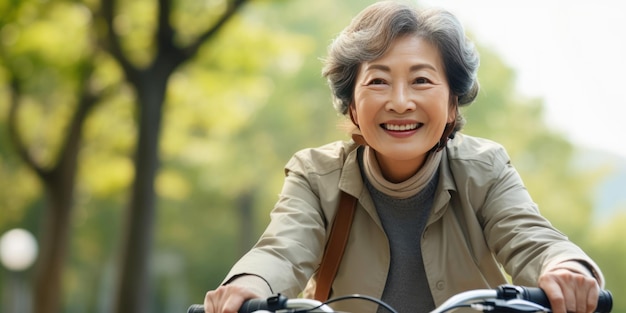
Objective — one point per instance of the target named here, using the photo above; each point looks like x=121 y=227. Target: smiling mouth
x=401 y=128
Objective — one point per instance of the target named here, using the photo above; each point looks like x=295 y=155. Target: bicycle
x=504 y=299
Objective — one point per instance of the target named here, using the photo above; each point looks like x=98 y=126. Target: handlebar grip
x=196 y=308
x=273 y=303
x=252 y=305
x=536 y=295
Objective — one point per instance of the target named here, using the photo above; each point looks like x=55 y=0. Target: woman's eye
x=377 y=81
x=421 y=80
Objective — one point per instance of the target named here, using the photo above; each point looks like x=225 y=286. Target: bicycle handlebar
x=272 y=304
x=505 y=298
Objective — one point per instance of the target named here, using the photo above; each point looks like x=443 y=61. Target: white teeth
x=404 y=127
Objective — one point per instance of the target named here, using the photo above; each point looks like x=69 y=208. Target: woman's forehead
x=413 y=50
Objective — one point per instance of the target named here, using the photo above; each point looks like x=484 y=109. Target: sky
x=572 y=54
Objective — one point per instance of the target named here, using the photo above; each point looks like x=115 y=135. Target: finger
x=581 y=288
x=582 y=292
x=554 y=293
x=210 y=302
x=227 y=299
x=570 y=297
x=216 y=301
x=555 y=296
x=232 y=304
x=585 y=291
x=592 y=297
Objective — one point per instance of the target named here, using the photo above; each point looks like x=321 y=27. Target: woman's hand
x=227 y=298
x=570 y=291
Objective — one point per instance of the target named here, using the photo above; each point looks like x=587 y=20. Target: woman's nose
x=400 y=100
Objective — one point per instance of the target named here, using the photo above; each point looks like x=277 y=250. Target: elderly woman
x=438 y=212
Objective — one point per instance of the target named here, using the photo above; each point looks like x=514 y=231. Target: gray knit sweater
x=404 y=220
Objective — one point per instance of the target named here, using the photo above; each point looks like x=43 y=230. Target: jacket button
x=441 y=285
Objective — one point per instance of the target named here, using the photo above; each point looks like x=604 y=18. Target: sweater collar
x=404 y=189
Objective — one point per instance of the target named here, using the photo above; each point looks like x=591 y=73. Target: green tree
x=39 y=89
x=146 y=64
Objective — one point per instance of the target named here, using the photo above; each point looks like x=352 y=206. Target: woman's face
x=402 y=104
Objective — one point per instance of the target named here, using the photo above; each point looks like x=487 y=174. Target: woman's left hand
x=570 y=291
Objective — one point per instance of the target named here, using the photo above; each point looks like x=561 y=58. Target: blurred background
x=142 y=143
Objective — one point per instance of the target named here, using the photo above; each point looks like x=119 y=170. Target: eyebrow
x=413 y=68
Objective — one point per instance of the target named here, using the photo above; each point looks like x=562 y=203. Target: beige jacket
x=483 y=221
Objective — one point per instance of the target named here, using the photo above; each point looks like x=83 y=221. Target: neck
x=399 y=171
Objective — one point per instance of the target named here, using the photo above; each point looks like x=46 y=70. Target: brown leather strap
x=335 y=246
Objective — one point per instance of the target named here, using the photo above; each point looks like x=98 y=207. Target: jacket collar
x=351 y=181
x=445 y=187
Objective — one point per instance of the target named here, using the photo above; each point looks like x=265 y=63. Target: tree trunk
x=134 y=281
x=54 y=241
x=58 y=182
x=150 y=85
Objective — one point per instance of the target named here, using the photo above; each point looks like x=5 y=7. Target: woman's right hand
x=227 y=298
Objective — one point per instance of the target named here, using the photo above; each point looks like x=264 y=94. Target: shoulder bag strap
x=335 y=246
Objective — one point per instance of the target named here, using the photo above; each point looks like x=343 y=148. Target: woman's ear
x=453 y=108
x=353 y=115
